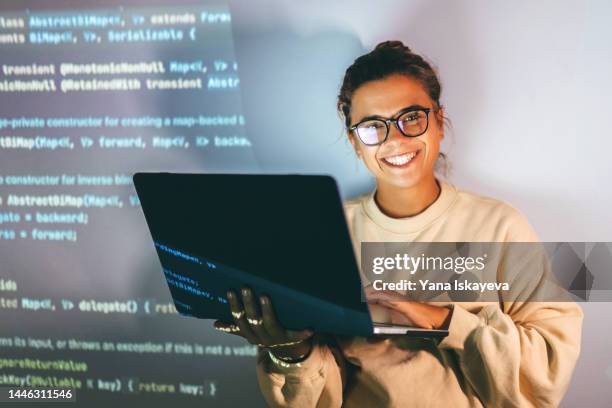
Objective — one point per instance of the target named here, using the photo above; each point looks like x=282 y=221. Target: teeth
x=400 y=160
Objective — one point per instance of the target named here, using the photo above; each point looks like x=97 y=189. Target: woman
x=501 y=354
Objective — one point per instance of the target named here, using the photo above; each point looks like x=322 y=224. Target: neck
x=399 y=202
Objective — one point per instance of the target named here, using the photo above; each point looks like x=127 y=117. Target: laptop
x=281 y=235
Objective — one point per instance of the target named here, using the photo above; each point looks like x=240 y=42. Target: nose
x=394 y=133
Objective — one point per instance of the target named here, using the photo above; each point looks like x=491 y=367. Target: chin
x=404 y=182
x=405 y=185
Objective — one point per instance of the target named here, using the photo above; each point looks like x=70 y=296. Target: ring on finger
x=255 y=322
x=238 y=315
x=230 y=329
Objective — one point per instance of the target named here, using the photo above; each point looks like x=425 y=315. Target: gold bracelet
x=281 y=363
x=290 y=362
x=290 y=343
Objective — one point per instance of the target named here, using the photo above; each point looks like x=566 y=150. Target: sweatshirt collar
x=418 y=222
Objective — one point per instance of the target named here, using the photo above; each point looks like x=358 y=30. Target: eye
x=410 y=117
x=372 y=124
x=413 y=123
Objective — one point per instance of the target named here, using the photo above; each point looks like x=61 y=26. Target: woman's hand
x=263 y=329
x=404 y=311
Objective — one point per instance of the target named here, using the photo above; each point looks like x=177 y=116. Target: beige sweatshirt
x=502 y=354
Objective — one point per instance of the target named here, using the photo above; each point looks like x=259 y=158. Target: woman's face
x=385 y=98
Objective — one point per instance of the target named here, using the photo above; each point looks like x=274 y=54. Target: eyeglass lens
x=411 y=124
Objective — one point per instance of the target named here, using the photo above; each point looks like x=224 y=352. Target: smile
x=400 y=160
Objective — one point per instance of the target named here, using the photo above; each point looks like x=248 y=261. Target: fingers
x=384 y=295
x=389 y=304
x=269 y=318
x=371 y=293
x=253 y=317
x=226 y=327
x=240 y=318
x=258 y=327
x=274 y=328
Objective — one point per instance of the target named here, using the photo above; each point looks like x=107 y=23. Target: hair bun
x=392 y=45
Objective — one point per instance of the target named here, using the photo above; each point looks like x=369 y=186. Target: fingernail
x=263 y=300
x=229 y=294
x=245 y=292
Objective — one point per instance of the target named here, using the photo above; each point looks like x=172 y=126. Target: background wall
x=525 y=84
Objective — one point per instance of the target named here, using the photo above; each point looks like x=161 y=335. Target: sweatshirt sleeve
x=520 y=352
x=527 y=362
x=317 y=382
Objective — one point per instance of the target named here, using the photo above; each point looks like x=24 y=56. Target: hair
x=386 y=59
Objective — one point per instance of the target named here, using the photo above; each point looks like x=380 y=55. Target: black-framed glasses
x=410 y=122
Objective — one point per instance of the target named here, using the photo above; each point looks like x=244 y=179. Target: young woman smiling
x=500 y=354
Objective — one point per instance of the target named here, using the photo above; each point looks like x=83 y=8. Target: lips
x=401 y=160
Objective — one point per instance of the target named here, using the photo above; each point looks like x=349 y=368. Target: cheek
x=370 y=160
x=433 y=146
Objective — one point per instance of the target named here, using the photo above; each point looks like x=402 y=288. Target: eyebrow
x=403 y=110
